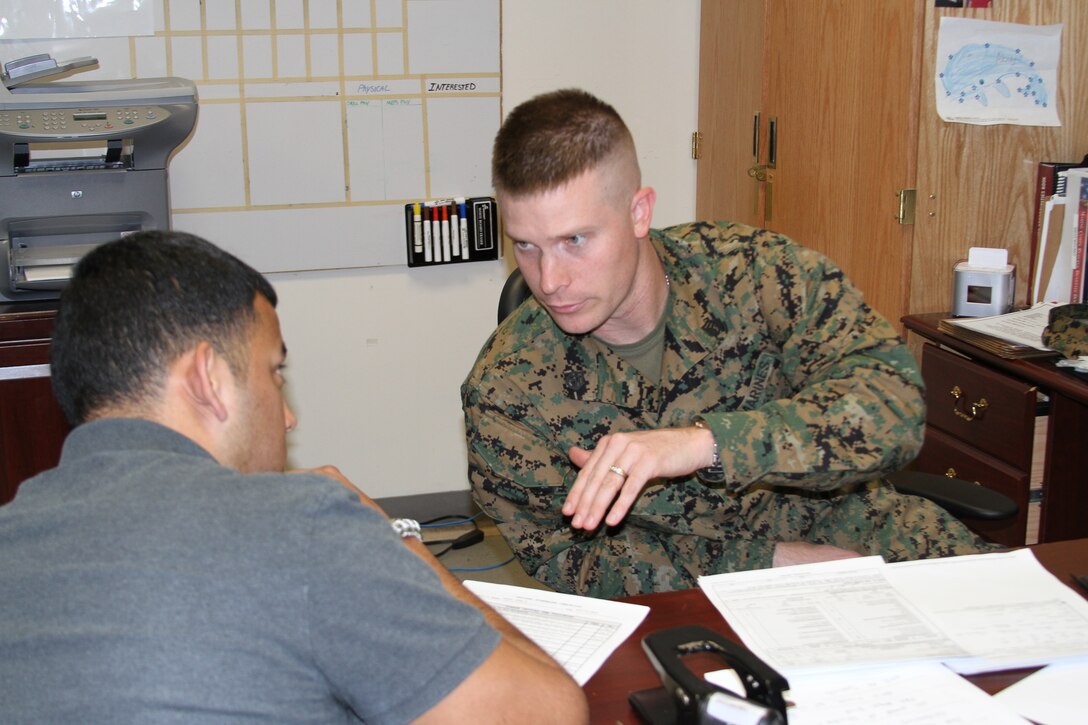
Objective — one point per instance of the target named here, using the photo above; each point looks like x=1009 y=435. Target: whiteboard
x=318 y=121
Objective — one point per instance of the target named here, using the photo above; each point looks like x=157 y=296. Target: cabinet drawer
x=943 y=454
x=983 y=408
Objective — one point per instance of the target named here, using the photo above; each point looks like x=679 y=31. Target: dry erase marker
x=417 y=229
x=455 y=231
x=436 y=231
x=463 y=213
x=446 y=252
x=427 y=234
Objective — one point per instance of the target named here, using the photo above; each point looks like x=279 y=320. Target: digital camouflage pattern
x=1067 y=330
x=810 y=395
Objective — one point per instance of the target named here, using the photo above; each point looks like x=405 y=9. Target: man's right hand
x=602 y=494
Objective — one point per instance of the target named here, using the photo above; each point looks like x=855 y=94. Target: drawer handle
x=976 y=408
x=951 y=473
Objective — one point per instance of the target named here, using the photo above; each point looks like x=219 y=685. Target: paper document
x=1022 y=328
x=837 y=614
x=976 y=613
x=918 y=693
x=579 y=632
x=1053 y=695
x=1006 y=609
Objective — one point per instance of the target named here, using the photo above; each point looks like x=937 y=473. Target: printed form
x=829 y=615
x=579 y=632
x=975 y=613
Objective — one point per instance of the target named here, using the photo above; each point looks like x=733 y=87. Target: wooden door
x=839 y=80
x=730 y=87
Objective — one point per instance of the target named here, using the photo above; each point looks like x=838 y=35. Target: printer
x=81 y=163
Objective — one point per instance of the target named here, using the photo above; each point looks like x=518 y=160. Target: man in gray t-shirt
x=169 y=569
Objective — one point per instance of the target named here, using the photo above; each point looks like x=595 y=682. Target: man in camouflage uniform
x=700 y=399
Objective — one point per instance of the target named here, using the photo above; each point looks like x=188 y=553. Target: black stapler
x=687 y=699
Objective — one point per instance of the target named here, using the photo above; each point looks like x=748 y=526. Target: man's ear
x=642 y=210
x=207 y=375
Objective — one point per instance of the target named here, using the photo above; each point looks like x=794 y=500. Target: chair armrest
x=960 y=498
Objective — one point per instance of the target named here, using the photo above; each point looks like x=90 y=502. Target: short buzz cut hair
x=134 y=306
x=553 y=138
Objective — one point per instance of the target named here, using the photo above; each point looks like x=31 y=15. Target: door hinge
x=696 y=139
x=907 y=199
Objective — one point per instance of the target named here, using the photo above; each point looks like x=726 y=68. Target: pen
x=417 y=229
x=446 y=253
x=427 y=234
x=464 y=226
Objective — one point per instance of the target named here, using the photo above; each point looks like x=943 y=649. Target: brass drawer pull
x=976 y=408
x=951 y=473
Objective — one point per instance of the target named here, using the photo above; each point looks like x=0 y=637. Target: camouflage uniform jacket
x=804 y=386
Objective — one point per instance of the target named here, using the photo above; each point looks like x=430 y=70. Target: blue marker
x=462 y=212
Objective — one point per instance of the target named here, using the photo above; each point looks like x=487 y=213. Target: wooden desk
x=32 y=428
x=628 y=669
x=1065 y=497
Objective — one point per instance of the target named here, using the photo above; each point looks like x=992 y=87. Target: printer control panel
x=79 y=123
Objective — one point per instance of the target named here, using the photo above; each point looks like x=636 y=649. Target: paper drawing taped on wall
x=975 y=68
x=988 y=72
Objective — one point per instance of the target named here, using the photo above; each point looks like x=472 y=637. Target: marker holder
x=451 y=231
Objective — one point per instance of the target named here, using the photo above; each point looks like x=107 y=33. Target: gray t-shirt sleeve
x=386 y=634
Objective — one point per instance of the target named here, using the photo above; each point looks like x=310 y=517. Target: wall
x=377 y=354
x=376 y=387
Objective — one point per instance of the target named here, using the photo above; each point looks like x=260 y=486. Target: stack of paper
x=863 y=641
x=975 y=613
x=1012 y=335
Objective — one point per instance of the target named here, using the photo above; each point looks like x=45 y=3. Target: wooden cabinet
x=850 y=86
x=32 y=428
x=982 y=425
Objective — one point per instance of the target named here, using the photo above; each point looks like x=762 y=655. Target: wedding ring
x=618 y=471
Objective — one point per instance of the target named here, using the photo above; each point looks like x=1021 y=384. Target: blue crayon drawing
x=978 y=67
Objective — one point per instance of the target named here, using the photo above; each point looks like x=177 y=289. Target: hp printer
x=81 y=163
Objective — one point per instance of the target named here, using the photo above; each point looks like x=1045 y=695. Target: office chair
x=962 y=499
x=514 y=292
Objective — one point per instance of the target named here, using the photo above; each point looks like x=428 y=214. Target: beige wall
x=377 y=355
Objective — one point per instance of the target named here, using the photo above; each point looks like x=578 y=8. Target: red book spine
x=1080 y=241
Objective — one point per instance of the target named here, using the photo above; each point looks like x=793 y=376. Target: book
x=1080 y=241
x=1012 y=335
x=1048 y=276
x=1046 y=186
x=1073 y=230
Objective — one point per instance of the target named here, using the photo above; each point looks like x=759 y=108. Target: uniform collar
x=594 y=373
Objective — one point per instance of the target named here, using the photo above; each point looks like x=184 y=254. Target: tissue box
x=982 y=291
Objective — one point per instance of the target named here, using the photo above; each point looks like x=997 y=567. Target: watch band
x=407 y=528
x=715 y=472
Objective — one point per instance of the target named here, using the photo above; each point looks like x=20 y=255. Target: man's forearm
x=458 y=590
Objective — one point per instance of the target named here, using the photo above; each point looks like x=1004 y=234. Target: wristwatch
x=715 y=472
x=406 y=528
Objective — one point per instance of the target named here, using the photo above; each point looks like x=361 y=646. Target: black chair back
x=514 y=292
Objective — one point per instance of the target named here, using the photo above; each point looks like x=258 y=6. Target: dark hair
x=135 y=305
x=554 y=137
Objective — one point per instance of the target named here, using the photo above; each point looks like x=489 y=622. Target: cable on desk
x=469 y=538
x=460 y=519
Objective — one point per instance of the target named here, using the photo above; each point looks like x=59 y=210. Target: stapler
x=687 y=699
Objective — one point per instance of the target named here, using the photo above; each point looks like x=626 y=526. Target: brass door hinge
x=907 y=199
x=696 y=139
